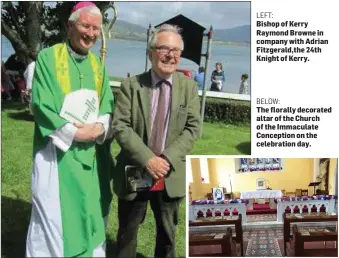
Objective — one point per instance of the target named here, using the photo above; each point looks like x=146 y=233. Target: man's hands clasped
x=88 y=132
x=157 y=167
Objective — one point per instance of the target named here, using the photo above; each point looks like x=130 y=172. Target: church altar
x=261 y=194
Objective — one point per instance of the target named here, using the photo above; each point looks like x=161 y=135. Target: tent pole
x=208 y=54
x=148 y=38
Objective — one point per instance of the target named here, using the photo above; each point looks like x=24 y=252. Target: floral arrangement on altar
x=306 y=198
x=203 y=202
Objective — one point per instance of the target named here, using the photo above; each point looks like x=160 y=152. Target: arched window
x=259 y=165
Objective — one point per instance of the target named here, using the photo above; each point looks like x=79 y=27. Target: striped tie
x=158 y=129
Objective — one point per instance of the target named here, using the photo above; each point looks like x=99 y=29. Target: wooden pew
x=218 y=222
x=212 y=246
x=287 y=220
x=299 y=239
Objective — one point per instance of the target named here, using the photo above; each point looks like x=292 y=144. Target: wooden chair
x=291 y=194
x=298 y=192
x=304 y=192
x=236 y=195
x=209 y=196
x=228 y=196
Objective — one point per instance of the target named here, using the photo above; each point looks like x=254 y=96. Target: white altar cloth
x=257 y=194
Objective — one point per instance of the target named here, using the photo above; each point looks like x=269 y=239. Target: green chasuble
x=84 y=170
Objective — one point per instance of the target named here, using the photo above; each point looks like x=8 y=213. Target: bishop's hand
x=88 y=132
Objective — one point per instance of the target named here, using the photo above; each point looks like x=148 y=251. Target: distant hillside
x=236 y=34
x=129 y=26
x=127 y=30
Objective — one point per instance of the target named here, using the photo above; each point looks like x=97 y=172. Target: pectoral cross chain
x=81 y=77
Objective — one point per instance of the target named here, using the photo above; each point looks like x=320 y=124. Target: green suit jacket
x=132 y=130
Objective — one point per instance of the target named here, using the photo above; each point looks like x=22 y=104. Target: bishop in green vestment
x=72 y=162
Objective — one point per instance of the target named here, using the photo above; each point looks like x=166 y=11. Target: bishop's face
x=84 y=32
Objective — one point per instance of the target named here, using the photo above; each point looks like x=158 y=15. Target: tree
x=31 y=26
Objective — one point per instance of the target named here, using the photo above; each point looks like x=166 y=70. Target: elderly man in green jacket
x=156 y=123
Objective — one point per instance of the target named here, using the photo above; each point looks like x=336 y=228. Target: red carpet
x=264 y=206
x=269 y=211
x=261 y=209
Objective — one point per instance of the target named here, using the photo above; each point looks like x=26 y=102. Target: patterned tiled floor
x=257 y=233
x=261 y=217
x=263 y=242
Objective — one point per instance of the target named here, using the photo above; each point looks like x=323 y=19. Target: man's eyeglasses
x=87 y=27
x=165 y=50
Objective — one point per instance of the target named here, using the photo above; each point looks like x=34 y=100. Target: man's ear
x=150 y=55
x=70 y=25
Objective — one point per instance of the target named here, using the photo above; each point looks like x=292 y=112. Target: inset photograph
x=262 y=207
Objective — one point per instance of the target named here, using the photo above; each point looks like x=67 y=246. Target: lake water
x=129 y=56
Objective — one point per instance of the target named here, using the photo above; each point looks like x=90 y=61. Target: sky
x=221 y=15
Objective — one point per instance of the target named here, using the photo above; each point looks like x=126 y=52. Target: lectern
x=314 y=184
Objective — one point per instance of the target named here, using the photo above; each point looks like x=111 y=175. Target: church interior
x=262 y=207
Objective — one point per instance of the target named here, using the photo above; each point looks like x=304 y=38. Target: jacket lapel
x=145 y=98
x=176 y=96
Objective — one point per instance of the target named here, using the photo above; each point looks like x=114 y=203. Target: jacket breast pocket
x=182 y=117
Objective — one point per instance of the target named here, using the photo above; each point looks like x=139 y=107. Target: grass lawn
x=115 y=78
x=221 y=139
x=16 y=165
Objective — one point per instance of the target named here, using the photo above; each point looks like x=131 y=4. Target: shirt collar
x=156 y=79
x=76 y=55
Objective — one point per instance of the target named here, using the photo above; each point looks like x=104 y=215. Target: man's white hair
x=93 y=10
x=163 y=28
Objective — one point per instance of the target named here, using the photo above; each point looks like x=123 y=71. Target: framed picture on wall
x=218 y=193
x=261 y=183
